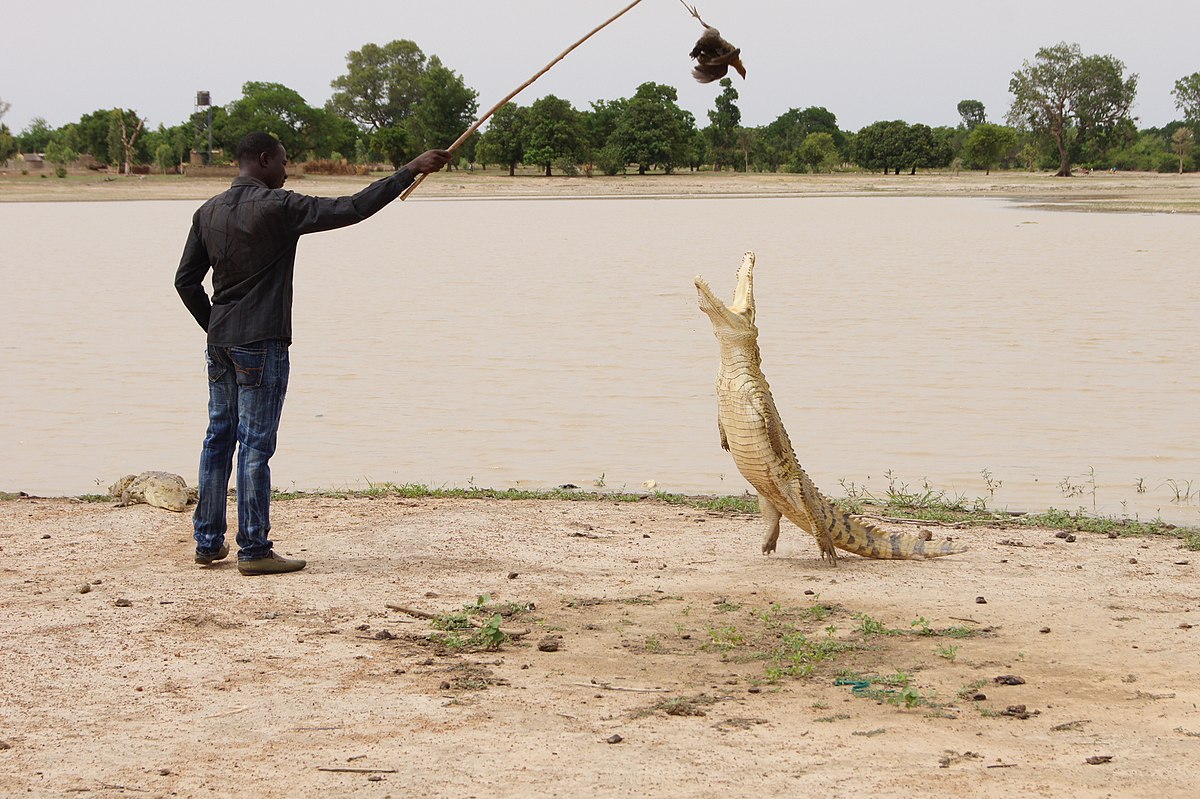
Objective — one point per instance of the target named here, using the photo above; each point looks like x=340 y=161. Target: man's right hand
x=429 y=161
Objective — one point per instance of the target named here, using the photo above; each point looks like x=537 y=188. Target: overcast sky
x=865 y=61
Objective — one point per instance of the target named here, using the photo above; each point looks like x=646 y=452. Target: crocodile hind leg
x=771 y=516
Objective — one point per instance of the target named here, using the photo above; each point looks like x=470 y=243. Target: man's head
x=260 y=155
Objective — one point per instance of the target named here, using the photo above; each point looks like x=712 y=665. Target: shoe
x=271 y=564
x=220 y=554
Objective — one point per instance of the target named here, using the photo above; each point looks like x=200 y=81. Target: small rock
x=1009 y=679
x=163 y=772
x=444 y=685
x=1070 y=539
x=980 y=600
x=809 y=593
x=1182 y=562
x=375 y=778
x=1133 y=560
x=513 y=575
x=1185 y=626
x=385 y=635
x=5 y=745
x=270 y=614
x=85 y=588
x=1061 y=534
x=1044 y=630
x=1016 y=711
x=363 y=627
x=1096 y=760
x=613 y=739
x=979 y=697
x=925 y=535
x=550 y=643
x=123 y=603
x=754 y=689
x=47 y=535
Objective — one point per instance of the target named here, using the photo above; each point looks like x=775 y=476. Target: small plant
x=654 y=646
x=909 y=697
x=947 y=651
x=970 y=689
x=599 y=481
x=725 y=606
x=1181 y=489
x=921 y=626
x=1140 y=485
x=725 y=638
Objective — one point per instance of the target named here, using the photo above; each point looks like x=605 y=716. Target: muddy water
x=541 y=342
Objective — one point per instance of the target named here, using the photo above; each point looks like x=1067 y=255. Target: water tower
x=203 y=101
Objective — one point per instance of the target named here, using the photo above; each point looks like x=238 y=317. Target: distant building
x=32 y=161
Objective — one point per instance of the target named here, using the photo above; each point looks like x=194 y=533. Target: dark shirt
x=247 y=236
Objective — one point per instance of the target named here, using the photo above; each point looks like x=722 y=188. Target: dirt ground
x=1098 y=191
x=662 y=656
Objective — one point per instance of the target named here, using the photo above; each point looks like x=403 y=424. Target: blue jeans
x=246 y=387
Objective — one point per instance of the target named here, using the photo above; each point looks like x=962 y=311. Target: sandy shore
x=669 y=636
x=1137 y=192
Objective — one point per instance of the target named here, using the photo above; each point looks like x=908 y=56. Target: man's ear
x=263 y=159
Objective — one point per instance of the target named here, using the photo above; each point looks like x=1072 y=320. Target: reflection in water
x=542 y=342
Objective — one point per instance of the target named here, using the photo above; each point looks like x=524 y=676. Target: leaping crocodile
x=752 y=432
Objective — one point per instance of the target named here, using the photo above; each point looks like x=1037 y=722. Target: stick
x=610 y=687
x=479 y=122
x=349 y=770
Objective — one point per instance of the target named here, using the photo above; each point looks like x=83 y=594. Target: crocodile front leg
x=771 y=516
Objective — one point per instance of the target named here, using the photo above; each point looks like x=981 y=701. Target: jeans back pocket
x=249 y=365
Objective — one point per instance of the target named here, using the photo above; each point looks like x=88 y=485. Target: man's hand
x=429 y=161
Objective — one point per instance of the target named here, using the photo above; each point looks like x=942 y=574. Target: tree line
x=1068 y=109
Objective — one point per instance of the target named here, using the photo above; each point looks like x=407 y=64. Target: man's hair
x=255 y=144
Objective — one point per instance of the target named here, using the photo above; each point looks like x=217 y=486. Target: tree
x=282 y=112
x=780 y=140
x=394 y=144
x=881 y=145
x=1182 y=141
x=1070 y=96
x=972 y=113
x=35 y=136
x=1187 y=98
x=127 y=138
x=554 y=132
x=924 y=149
x=164 y=156
x=725 y=118
x=819 y=152
x=8 y=144
x=444 y=109
x=504 y=141
x=987 y=144
x=60 y=155
x=653 y=130
x=601 y=121
x=382 y=84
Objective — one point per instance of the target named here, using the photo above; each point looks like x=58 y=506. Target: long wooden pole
x=479 y=122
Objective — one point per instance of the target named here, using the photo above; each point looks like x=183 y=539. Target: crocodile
x=160 y=489
x=752 y=432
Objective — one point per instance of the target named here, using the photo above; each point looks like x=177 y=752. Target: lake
x=1028 y=357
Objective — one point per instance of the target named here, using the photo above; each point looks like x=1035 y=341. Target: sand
x=170 y=679
x=1098 y=191
x=652 y=660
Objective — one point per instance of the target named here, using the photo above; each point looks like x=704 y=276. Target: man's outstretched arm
x=307 y=214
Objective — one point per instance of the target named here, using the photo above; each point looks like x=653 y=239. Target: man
x=247 y=236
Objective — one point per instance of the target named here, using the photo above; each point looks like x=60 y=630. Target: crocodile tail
x=852 y=534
